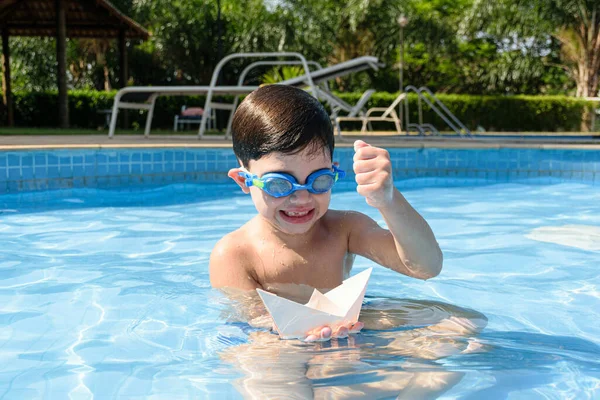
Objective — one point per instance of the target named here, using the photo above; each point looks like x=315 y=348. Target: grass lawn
x=4 y=131
x=76 y=131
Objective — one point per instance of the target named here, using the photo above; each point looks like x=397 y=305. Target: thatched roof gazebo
x=62 y=19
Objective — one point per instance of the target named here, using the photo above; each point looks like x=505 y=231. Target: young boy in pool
x=283 y=139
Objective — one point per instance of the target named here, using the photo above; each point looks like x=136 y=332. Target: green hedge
x=40 y=109
x=493 y=113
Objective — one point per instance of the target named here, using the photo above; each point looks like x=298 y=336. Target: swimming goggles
x=280 y=184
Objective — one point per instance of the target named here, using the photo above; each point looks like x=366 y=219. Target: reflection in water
x=409 y=349
x=395 y=355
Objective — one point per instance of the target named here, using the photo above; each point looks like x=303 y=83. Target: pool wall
x=25 y=171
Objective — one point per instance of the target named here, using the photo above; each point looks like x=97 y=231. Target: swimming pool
x=105 y=294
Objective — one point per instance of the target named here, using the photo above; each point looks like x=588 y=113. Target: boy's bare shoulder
x=231 y=261
x=232 y=244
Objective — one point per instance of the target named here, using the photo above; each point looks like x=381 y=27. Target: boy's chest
x=320 y=266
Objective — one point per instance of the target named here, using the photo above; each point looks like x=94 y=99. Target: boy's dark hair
x=279 y=118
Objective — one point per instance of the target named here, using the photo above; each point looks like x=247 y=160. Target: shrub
x=493 y=113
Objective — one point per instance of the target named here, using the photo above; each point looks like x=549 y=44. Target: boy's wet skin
x=313 y=252
x=285 y=134
x=295 y=243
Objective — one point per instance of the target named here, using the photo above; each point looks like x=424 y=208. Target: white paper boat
x=339 y=306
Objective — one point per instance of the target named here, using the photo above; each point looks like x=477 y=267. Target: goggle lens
x=277 y=186
x=323 y=183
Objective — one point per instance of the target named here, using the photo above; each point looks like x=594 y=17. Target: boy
x=283 y=139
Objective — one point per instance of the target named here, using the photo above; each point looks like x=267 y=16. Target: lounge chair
x=351 y=111
x=388 y=114
x=144 y=98
x=320 y=78
x=193 y=115
x=315 y=80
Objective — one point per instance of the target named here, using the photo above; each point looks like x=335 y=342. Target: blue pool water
x=105 y=294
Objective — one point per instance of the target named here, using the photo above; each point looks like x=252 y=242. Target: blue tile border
x=23 y=171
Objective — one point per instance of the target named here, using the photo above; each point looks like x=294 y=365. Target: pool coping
x=45 y=142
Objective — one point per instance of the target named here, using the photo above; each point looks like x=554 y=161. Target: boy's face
x=298 y=212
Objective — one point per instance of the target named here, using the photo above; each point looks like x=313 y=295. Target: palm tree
x=574 y=24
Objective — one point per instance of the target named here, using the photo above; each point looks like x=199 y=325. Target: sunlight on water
x=580 y=236
x=105 y=294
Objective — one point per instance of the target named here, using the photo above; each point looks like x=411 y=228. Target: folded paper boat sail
x=339 y=306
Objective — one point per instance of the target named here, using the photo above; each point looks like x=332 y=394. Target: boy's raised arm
x=409 y=246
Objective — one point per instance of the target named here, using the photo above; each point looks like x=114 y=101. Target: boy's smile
x=298 y=216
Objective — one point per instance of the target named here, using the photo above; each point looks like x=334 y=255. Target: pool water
x=106 y=294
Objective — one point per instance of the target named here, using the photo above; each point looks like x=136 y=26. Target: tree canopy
x=565 y=33
x=452 y=46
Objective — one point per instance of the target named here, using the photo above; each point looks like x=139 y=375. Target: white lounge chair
x=351 y=111
x=320 y=78
x=388 y=114
x=311 y=79
x=144 y=97
x=192 y=115
x=335 y=71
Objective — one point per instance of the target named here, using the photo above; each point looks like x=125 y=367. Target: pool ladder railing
x=426 y=95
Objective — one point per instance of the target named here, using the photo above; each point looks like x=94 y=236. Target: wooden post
x=61 y=57
x=124 y=72
x=219 y=33
x=7 y=92
x=124 y=77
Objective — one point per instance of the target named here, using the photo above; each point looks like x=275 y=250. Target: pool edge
x=50 y=142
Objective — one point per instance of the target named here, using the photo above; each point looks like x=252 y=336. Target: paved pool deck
x=510 y=140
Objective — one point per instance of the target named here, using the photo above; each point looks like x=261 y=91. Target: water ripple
x=106 y=294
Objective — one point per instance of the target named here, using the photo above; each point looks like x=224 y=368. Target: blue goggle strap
x=251 y=179
x=339 y=174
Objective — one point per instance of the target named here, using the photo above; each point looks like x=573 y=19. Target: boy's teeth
x=296 y=213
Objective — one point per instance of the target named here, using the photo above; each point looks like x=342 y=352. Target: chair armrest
x=338 y=119
x=375 y=109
